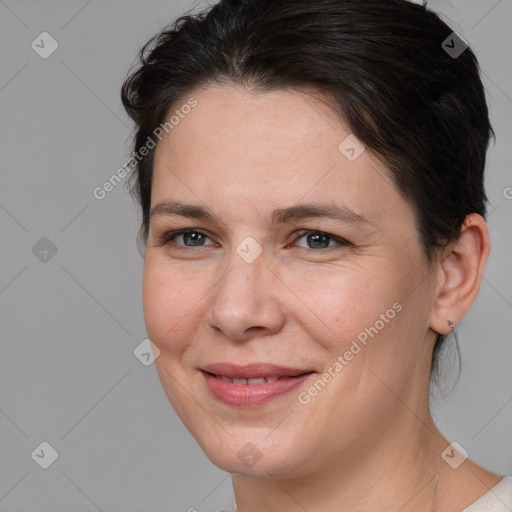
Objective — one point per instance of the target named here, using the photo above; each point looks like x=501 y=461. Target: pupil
x=319 y=236
x=193 y=235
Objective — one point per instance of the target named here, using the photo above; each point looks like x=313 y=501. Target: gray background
x=70 y=324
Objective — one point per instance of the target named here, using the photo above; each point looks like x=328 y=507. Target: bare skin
x=366 y=441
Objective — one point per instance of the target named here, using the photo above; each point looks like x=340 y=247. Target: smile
x=251 y=385
x=251 y=382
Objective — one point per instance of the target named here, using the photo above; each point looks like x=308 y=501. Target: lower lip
x=250 y=395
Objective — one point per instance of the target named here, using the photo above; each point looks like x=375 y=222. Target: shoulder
x=497 y=499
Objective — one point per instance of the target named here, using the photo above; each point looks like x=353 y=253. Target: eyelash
x=169 y=237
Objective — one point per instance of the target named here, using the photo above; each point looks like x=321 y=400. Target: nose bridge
x=248 y=265
x=243 y=297
x=243 y=286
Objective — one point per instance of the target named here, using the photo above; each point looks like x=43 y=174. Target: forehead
x=240 y=113
x=277 y=147
x=230 y=121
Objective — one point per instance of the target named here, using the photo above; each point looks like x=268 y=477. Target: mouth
x=256 y=381
x=251 y=385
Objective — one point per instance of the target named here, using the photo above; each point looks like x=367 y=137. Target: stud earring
x=450 y=323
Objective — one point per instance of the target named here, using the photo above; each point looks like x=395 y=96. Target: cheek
x=336 y=305
x=169 y=300
x=364 y=315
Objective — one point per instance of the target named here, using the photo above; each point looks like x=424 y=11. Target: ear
x=460 y=274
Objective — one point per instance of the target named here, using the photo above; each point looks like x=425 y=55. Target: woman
x=313 y=222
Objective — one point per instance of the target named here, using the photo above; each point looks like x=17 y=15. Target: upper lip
x=254 y=370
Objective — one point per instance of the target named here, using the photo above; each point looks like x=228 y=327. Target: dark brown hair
x=381 y=63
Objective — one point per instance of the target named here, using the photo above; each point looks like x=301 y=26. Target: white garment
x=497 y=499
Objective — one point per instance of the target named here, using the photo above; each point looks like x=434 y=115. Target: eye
x=320 y=240
x=316 y=240
x=191 y=238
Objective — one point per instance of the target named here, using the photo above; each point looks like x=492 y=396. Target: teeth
x=252 y=382
x=259 y=380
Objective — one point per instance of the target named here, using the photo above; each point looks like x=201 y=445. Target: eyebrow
x=279 y=216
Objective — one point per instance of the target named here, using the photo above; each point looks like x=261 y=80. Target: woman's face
x=342 y=310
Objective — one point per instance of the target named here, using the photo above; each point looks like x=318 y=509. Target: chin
x=260 y=458
x=256 y=468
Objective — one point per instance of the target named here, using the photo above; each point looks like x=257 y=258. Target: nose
x=246 y=300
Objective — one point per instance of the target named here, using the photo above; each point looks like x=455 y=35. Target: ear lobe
x=460 y=274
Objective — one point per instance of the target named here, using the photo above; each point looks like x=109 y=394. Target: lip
x=254 y=370
x=284 y=380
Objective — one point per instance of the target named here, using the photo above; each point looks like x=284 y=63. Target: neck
x=398 y=470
